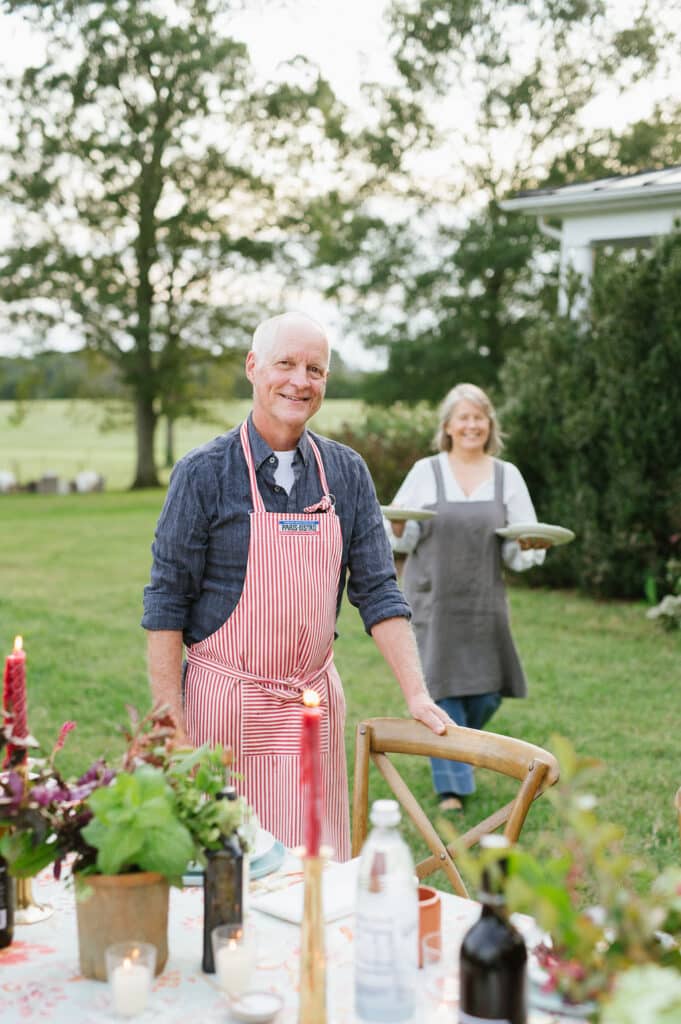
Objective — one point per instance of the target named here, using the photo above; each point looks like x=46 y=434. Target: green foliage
x=602 y=909
x=593 y=414
x=134 y=826
x=137 y=153
x=390 y=441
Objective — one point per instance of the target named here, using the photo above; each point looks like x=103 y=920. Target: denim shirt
x=201 y=543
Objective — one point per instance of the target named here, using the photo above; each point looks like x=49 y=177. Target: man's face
x=289 y=380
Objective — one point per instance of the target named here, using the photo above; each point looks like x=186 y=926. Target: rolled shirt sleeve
x=179 y=554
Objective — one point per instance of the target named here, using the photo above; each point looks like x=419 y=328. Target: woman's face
x=468 y=427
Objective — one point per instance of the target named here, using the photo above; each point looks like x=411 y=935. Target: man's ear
x=250 y=365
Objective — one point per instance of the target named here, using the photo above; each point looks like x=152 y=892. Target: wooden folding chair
x=534 y=768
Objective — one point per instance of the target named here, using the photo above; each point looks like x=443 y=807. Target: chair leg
x=360 y=797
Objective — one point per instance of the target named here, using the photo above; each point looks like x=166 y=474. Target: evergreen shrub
x=391 y=440
x=593 y=418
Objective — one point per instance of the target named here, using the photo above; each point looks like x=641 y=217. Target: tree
x=498 y=93
x=593 y=414
x=147 y=181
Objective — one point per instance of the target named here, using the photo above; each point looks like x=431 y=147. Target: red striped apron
x=244 y=682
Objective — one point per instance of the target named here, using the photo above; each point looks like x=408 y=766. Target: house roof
x=645 y=189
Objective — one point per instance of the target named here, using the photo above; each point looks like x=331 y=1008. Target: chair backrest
x=677 y=801
x=535 y=769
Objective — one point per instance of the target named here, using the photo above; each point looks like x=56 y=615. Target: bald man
x=260 y=531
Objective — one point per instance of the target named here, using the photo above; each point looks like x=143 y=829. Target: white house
x=628 y=210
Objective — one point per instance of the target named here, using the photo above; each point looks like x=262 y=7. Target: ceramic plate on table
x=551 y=1002
x=264 y=841
x=544 y=531
x=268 y=862
x=396 y=514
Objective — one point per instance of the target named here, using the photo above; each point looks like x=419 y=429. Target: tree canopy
x=148 y=183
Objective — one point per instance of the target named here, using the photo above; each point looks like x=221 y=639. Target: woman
x=453 y=573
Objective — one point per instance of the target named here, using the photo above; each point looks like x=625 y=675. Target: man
x=259 y=531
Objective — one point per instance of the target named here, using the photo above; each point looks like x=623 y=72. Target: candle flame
x=18 y=643
x=127 y=964
x=310 y=698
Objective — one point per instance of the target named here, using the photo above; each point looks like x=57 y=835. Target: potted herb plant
x=128 y=832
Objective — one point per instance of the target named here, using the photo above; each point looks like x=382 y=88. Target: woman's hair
x=471 y=393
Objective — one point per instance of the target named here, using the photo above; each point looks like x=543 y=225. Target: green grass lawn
x=66 y=437
x=71 y=576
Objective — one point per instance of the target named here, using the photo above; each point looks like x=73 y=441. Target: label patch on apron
x=298 y=526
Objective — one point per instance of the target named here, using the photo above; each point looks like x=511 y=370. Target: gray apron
x=453 y=582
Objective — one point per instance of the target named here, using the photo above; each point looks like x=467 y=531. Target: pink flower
x=63 y=733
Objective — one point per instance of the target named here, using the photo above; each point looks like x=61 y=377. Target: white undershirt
x=283 y=474
x=419 y=490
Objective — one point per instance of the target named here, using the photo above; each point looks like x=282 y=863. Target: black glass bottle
x=6 y=905
x=223 y=896
x=493 y=960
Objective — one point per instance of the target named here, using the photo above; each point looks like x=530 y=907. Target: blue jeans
x=473 y=712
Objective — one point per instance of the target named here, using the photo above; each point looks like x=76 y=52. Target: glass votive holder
x=130 y=970
x=440 y=952
x=234 y=956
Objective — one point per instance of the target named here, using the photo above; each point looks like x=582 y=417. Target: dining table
x=40 y=980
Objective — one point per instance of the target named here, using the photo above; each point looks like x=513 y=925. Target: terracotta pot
x=429 y=915
x=118 y=908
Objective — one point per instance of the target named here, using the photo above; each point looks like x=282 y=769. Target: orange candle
x=311 y=776
x=14 y=693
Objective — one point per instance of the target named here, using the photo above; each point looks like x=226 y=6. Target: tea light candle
x=234 y=964
x=130 y=984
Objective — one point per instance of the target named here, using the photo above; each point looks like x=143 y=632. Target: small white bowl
x=256 y=1007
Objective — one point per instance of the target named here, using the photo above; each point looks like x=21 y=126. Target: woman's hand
x=537 y=543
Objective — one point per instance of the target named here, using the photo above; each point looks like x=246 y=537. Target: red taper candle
x=311 y=776
x=14 y=691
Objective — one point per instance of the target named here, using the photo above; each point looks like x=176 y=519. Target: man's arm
x=396 y=641
x=164 y=658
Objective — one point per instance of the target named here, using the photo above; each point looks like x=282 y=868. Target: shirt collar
x=262 y=451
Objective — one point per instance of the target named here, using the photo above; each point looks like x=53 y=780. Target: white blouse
x=418 y=490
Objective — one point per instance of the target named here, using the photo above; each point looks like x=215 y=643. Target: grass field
x=66 y=437
x=71 y=578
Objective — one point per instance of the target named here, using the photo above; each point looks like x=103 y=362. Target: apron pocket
x=271 y=719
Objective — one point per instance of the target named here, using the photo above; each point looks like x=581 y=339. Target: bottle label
x=385 y=962
x=466 y=1018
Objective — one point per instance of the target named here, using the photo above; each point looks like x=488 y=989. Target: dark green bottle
x=493 y=959
x=223 y=896
x=6 y=905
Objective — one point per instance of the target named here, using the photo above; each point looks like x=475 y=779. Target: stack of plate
x=267 y=856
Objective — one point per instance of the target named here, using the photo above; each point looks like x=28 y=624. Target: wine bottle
x=6 y=905
x=493 y=958
x=223 y=888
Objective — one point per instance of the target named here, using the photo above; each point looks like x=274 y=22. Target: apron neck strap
x=258 y=503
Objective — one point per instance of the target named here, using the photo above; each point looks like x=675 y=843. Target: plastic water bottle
x=386 y=923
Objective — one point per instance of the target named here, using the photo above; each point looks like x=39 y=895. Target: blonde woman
x=453 y=573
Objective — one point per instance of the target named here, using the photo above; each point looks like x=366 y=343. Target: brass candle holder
x=27 y=911
x=312 y=1003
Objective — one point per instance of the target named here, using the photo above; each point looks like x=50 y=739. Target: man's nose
x=299 y=376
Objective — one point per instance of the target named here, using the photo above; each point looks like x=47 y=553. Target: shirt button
x=272 y=459
x=277 y=488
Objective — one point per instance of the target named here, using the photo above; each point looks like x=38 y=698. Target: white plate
x=544 y=531
x=256 y=1007
x=399 y=515
x=264 y=841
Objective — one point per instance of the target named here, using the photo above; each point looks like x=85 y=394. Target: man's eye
x=316 y=372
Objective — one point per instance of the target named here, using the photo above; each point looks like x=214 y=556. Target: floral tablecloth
x=40 y=979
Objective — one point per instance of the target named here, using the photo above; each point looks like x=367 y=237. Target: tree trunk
x=170 y=442
x=145 y=425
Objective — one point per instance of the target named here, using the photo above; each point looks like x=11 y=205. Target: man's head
x=288 y=365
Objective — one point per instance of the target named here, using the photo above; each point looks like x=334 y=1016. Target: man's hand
x=425 y=710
